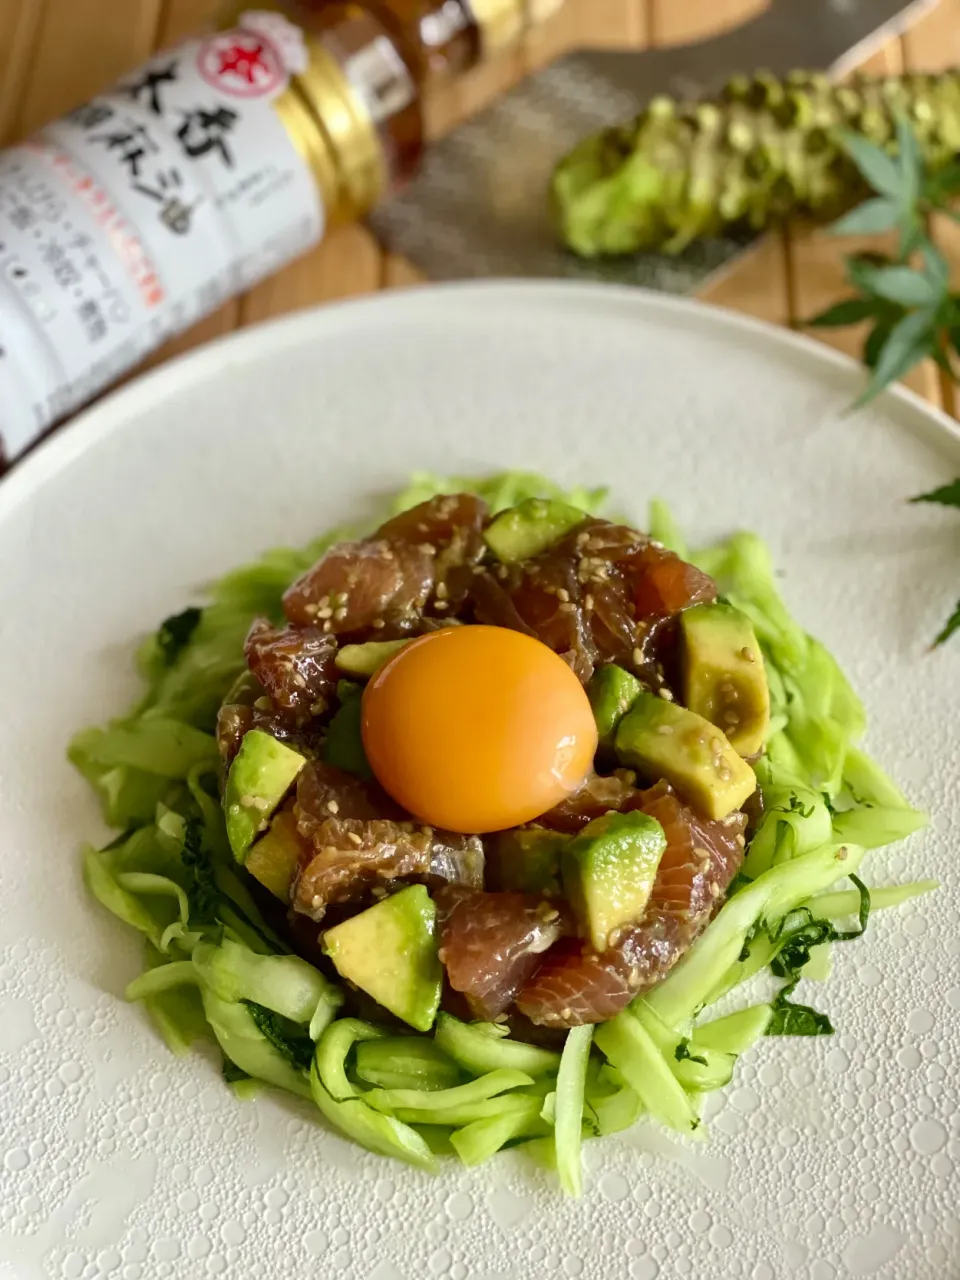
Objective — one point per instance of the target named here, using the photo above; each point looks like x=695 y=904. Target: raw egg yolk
x=478 y=729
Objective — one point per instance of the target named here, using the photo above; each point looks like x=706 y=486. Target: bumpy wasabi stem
x=764 y=149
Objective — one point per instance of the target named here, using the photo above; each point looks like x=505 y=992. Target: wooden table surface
x=55 y=53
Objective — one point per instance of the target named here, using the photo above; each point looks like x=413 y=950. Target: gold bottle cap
x=501 y=23
x=312 y=144
x=343 y=119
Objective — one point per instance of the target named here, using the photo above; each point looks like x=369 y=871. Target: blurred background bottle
x=208 y=169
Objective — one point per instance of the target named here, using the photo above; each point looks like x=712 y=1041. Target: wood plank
x=599 y=23
x=588 y=24
x=399 y=273
x=223 y=321
x=19 y=26
x=450 y=105
x=685 y=21
x=932 y=43
x=348 y=262
x=756 y=284
x=885 y=61
x=182 y=18
x=82 y=46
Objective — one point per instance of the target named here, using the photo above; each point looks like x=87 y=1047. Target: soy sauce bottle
x=205 y=171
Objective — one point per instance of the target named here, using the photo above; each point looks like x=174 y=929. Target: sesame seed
x=328 y=626
x=588 y=602
x=638 y=657
x=442 y=592
x=378 y=623
x=325 y=612
x=440 y=605
x=731 y=718
x=747 y=654
x=248 y=802
x=316 y=901
x=429 y=548
x=319 y=707
x=332 y=806
x=352 y=835
x=714 y=889
x=665 y=728
x=568 y=608
x=740 y=842
x=340 y=615
x=725 y=773
x=563 y=594
x=666 y=695
x=422 y=527
x=701 y=854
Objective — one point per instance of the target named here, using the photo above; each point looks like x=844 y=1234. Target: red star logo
x=243 y=62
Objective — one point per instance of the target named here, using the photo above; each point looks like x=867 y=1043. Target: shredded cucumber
x=629 y=1046
x=246 y=1045
x=688 y=986
x=568 y=1112
x=736 y=1033
x=474 y=1143
x=379 y=1133
x=834 y=906
x=213 y=967
x=477 y=1051
x=406 y=1062
x=663 y=527
x=334 y=1045
x=486 y=1087
x=464 y=1113
x=285 y=984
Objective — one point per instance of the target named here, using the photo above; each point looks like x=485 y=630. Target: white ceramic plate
x=827 y=1157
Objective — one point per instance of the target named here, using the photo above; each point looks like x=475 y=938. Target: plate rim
x=115 y=411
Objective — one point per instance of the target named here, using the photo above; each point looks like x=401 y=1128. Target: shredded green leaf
x=213 y=966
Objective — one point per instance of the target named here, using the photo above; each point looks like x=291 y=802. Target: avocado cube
x=664 y=740
x=262 y=773
x=527 y=860
x=609 y=870
x=274 y=858
x=612 y=693
x=390 y=952
x=364 y=660
x=723 y=674
x=533 y=526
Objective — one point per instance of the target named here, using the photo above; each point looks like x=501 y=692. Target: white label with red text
x=141 y=212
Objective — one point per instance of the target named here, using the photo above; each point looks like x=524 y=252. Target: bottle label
x=141 y=212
